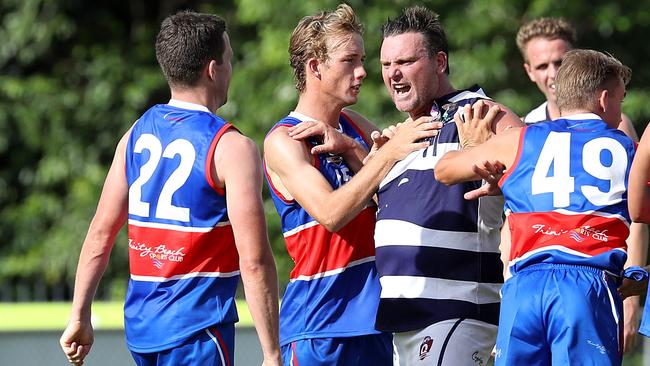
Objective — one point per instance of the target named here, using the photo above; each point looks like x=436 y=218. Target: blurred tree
x=74 y=75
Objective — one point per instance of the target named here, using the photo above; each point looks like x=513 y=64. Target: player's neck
x=315 y=107
x=444 y=87
x=571 y=112
x=197 y=96
x=553 y=110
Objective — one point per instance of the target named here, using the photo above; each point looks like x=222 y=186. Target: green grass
x=39 y=316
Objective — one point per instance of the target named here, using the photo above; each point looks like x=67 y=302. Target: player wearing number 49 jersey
x=586 y=159
x=565 y=189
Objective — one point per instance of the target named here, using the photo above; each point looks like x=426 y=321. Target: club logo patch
x=425 y=347
x=477 y=359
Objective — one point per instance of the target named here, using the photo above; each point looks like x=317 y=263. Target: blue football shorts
x=554 y=314
x=373 y=349
x=214 y=346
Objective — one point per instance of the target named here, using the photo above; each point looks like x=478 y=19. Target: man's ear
x=211 y=69
x=313 y=67
x=442 y=60
x=529 y=72
x=603 y=98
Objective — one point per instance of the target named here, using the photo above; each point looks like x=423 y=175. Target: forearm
x=637 y=245
x=637 y=250
x=639 y=191
x=354 y=157
x=93 y=261
x=343 y=204
x=458 y=166
x=639 y=195
x=452 y=168
x=261 y=289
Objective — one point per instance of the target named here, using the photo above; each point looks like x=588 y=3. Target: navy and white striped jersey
x=437 y=253
x=539 y=114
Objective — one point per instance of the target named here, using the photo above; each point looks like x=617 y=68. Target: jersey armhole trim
x=520 y=146
x=353 y=124
x=209 y=160
x=272 y=186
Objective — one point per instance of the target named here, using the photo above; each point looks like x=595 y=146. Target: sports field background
x=29 y=335
x=47 y=316
x=49 y=319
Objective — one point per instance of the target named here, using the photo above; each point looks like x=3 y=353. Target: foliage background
x=74 y=75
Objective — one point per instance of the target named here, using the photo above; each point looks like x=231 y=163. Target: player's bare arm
x=334 y=141
x=504 y=120
x=637 y=251
x=639 y=191
x=238 y=169
x=639 y=207
x=77 y=339
x=458 y=166
x=290 y=167
x=367 y=128
x=627 y=127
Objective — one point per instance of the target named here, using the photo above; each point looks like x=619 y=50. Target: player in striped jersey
x=190 y=186
x=437 y=254
x=325 y=199
x=542 y=43
x=565 y=187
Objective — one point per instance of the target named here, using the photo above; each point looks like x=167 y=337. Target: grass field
x=40 y=316
x=53 y=316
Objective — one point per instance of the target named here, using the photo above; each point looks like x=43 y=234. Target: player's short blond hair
x=583 y=74
x=310 y=38
x=549 y=28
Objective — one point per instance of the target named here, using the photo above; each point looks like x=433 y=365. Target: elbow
x=331 y=224
x=331 y=218
x=256 y=267
x=638 y=205
x=640 y=216
x=442 y=173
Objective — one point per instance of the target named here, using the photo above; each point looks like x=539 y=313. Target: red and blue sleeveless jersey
x=566 y=194
x=183 y=260
x=333 y=289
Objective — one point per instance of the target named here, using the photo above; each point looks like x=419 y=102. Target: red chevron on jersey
x=162 y=253
x=318 y=252
x=586 y=234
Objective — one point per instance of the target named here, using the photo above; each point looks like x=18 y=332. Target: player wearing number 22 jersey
x=566 y=203
x=182 y=255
